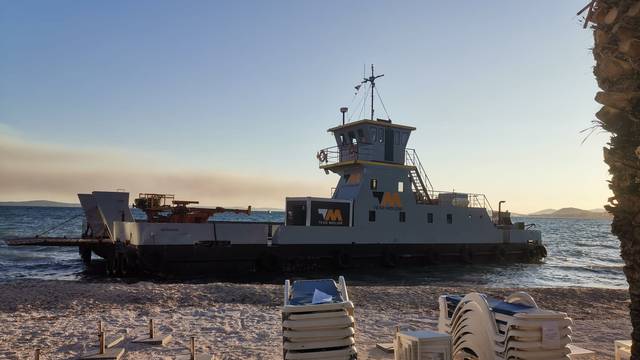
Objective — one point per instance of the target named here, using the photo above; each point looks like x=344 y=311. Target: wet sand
x=242 y=321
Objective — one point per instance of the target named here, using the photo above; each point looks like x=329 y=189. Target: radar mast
x=372 y=80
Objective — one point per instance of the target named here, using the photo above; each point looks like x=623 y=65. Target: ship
x=383 y=211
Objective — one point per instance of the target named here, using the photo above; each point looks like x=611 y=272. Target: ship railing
x=411 y=159
x=339 y=153
x=466 y=200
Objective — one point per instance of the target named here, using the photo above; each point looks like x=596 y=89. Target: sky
x=228 y=101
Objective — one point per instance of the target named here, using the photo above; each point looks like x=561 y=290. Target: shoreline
x=240 y=321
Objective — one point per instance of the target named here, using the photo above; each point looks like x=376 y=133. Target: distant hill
x=42 y=203
x=572 y=213
x=543 y=212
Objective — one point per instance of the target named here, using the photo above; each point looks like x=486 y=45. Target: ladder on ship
x=420 y=183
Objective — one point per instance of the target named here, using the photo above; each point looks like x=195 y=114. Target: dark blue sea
x=581 y=253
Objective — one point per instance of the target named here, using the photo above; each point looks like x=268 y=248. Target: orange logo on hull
x=333 y=215
x=388 y=199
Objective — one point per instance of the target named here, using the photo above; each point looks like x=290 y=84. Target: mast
x=372 y=79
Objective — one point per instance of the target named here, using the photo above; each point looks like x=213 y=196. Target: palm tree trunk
x=616 y=25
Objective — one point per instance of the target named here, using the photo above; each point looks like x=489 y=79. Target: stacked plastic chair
x=318 y=330
x=422 y=345
x=515 y=328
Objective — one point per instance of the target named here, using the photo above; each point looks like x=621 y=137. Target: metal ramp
x=420 y=183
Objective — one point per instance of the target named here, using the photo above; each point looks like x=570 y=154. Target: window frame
x=373 y=134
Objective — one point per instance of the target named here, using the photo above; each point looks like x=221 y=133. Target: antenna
x=372 y=79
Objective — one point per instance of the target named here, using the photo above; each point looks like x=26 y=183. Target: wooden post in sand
x=153 y=337
x=104 y=352
x=36 y=354
x=192 y=353
x=102 y=344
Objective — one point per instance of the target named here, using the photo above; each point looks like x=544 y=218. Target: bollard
x=102 y=343
x=150 y=328
x=193 y=348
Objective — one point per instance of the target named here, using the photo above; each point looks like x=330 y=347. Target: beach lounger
x=319 y=324
x=318 y=335
x=313 y=345
x=622 y=349
x=346 y=353
x=317 y=320
x=514 y=328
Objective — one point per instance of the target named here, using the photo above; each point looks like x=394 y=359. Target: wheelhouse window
x=380 y=135
x=372 y=215
x=373 y=184
x=449 y=219
x=361 y=137
x=352 y=138
x=430 y=218
x=373 y=134
x=402 y=216
x=296 y=213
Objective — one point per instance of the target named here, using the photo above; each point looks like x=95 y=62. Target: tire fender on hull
x=501 y=253
x=343 y=259
x=466 y=254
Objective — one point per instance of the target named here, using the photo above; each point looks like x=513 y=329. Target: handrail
x=412 y=159
x=349 y=152
x=475 y=200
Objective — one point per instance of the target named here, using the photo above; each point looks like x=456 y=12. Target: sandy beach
x=242 y=321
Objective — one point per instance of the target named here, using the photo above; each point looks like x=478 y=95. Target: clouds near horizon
x=33 y=170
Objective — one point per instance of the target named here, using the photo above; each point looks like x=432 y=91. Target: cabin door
x=388 y=145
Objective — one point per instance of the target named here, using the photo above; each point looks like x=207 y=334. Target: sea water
x=580 y=253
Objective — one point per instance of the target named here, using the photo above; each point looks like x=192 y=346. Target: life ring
x=322 y=156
